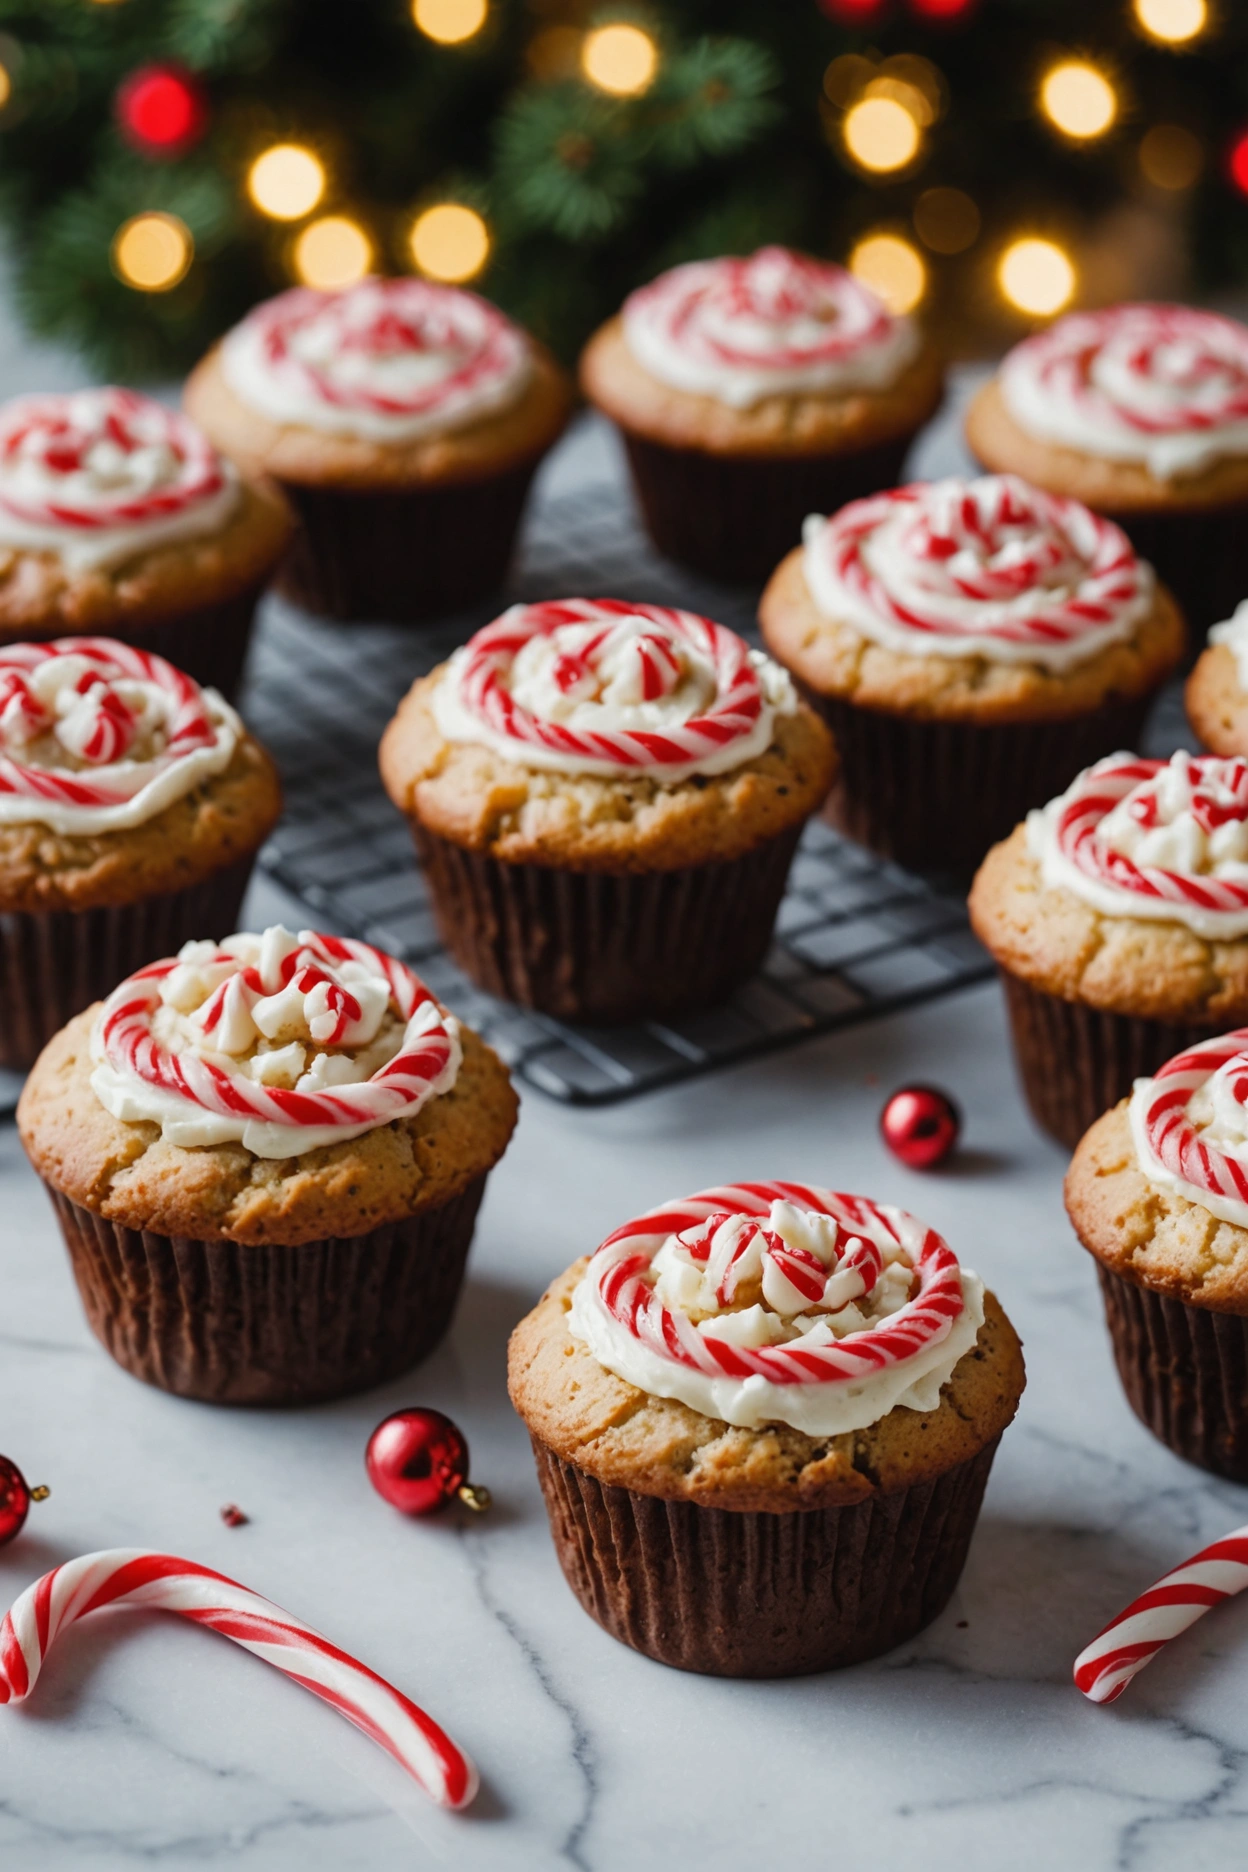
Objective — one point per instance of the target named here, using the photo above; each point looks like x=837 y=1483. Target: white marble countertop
x=149 y=1742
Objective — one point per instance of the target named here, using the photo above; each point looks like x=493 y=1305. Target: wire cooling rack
x=856 y=937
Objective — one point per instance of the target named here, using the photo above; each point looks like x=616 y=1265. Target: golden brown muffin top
x=799 y=423
x=226 y=819
x=1147 y=1235
x=311 y=457
x=835 y=659
x=127 y=1173
x=1056 y=942
x=657 y=1446
x=475 y=798
x=1217 y=706
x=40 y=597
x=1108 y=486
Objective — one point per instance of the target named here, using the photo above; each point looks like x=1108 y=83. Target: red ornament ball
x=161 y=109
x=418 y=1461
x=15 y=1498
x=920 y=1124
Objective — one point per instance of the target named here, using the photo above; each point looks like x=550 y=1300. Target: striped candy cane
x=156 y=1582
x=1105 y=1668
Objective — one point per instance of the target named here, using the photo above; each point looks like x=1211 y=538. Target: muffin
x=119 y=518
x=606 y=798
x=1216 y=695
x=266 y=1157
x=132 y=806
x=972 y=645
x=1118 y=916
x=765 y=1399
x=1141 y=412
x=1158 y=1195
x=750 y=393
x=404 y=420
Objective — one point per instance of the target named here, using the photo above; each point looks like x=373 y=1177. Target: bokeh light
x=946 y=220
x=334 y=251
x=1171 y=157
x=880 y=134
x=6 y=86
x=450 y=242
x=1174 y=22
x=891 y=267
x=1036 y=276
x=1079 y=100
x=620 y=59
x=450 y=22
x=286 y=181
x=1237 y=162
x=152 y=252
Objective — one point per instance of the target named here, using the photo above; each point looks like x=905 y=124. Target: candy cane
x=135 y=1576
x=1106 y=1666
x=47 y=442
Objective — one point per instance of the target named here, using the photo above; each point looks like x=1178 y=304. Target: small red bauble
x=162 y=110
x=418 y=1461
x=920 y=1124
x=15 y=1498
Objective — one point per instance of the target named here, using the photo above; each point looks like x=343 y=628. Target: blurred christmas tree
x=165 y=163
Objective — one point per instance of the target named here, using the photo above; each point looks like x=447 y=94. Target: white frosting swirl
x=775 y=324
x=390 y=360
x=97 y=736
x=99 y=476
x=780 y=1303
x=1189 y=1126
x=1234 y=634
x=1160 y=384
x=987 y=567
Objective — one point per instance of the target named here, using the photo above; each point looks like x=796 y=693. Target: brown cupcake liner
x=1202 y=555
x=1076 y=1062
x=935 y=795
x=55 y=963
x=736 y=516
x=1185 y=1372
x=230 y=1324
x=762 y=1595
x=602 y=947
x=403 y=556
x=209 y=643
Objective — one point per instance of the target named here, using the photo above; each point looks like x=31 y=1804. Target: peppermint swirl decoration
x=1190 y=1126
x=391 y=358
x=1162 y=384
x=271 y=1040
x=98 y=736
x=777 y=322
x=988 y=567
x=601 y=686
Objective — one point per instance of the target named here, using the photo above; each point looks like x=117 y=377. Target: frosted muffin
x=1158 y=1195
x=752 y=392
x=1141 y=412
x=767 y=1398
x=266 y=1157
x=606 y=799
x=1216 y=696
x=119 y=518
x=132 y=806
x=1118 y=916
x=404 y=420
x=972 y=645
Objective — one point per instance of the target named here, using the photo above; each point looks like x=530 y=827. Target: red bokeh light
x=941 y=9
x=1237 y=162
x=161 y=109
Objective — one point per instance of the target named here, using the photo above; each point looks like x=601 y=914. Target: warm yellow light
x=287 y=181
x=620 y=59
x=152 y=252
x=6 y=87
x=450 y=242
x=946 y=220
x=1079 y=99
x=450 y=22
x=891 y=267
x=1172 y=21
x=1171 y=157
x=1036 y=276
x=333 y=251
x=880 y=134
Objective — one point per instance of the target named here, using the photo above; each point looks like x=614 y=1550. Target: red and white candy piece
x=1104 y=1668
x=92 y=459
x=156 y=1582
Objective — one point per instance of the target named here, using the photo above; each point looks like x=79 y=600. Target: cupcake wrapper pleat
x=1076 y=1062
x=1185 y=1372
x=601 y=947
x=935 y=796
x=1201 y=554
x=235 y=1324
x=55 y=963
x=403 y=556
x=762 y=1595
x=735 y=516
